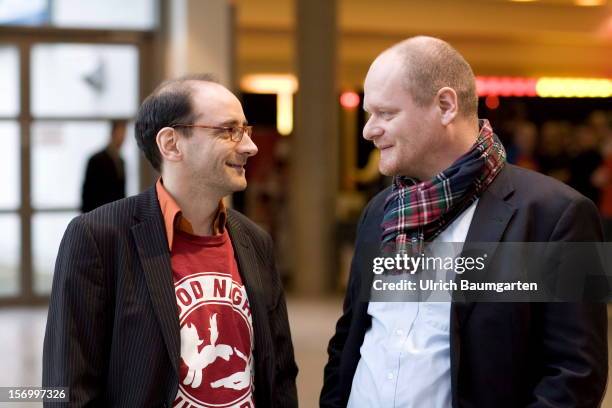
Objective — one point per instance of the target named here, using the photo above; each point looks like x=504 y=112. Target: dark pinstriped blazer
x=113 y=331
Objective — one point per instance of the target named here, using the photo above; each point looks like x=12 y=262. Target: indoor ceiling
x=536 y=38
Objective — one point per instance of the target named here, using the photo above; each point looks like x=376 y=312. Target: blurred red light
x=349 y=100
x=492 y=102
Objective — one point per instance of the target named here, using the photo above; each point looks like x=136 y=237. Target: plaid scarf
x=416 y=212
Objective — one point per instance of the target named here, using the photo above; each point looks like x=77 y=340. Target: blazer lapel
x=150 y=237
x=244 y=252
x=247 y=262
x=492 y=215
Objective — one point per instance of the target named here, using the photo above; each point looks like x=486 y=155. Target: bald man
x=452 y=184
x=167 y=298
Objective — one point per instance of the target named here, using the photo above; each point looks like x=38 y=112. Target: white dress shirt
x=405 y=355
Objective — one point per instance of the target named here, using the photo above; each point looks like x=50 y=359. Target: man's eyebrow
x=234 y=122
x=379 y=107
x=371 y=106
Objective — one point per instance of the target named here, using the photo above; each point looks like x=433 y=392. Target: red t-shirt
x=216 y=365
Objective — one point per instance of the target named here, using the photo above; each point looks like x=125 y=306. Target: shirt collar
x=173 y=218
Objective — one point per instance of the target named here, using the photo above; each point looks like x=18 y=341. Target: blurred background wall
x=69 y=67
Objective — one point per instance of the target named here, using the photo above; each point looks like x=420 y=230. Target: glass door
x=59 y=91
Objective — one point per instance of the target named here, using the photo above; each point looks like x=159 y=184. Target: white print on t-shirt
x=215 y=368
x=190 y=341
x=236 y=381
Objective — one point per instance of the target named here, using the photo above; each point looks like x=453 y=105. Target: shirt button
x=399 y=332
x=390 y=376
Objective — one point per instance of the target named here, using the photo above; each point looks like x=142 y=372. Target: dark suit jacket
x=113 y=330
x=502 y=354
x=104 y=181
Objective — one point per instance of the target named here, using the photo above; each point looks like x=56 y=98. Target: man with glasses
x=168 y=298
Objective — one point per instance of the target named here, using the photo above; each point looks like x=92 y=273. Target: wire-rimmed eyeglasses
x=234 y=133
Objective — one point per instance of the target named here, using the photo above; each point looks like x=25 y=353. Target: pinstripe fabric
x=273 y=353
x=112 y=331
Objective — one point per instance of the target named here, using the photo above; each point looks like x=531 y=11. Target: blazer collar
x=245 y=257
x=493 y=213
x=152 y=246
x=249 y=266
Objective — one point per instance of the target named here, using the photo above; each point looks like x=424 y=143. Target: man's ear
x=167 y=143
x=446 y=98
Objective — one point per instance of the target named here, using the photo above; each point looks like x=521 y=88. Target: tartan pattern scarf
x=417 y=211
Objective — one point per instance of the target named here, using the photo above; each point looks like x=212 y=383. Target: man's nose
x=371 y=131
x=247 y=146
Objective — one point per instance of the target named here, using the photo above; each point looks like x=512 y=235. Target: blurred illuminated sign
x=545 y=87
x=284 y=86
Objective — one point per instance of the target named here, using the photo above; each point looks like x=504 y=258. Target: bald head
x=430 y=64
x=170 y=103
x=422 y=102
x=185 y=84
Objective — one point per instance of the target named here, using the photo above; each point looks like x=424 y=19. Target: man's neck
x=198 y=206
x=112 y=149
x=463 y=137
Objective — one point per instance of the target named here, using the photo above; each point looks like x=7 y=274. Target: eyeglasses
x=234 y=133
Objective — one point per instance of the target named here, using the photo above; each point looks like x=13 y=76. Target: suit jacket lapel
x=247 y=263
x=244 y=252
x=492 y=215
x=150 y=237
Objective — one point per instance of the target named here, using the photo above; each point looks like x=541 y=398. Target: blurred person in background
x=600 y=123
x=552 y=155
x=168 y=298
x=522 y=152
x=602 y=179
x=513 y=114
x=585 y=162
x=452 y=184
x=105 y=173
x=572 y=144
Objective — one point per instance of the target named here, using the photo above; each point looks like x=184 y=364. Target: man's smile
x=237 y=166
